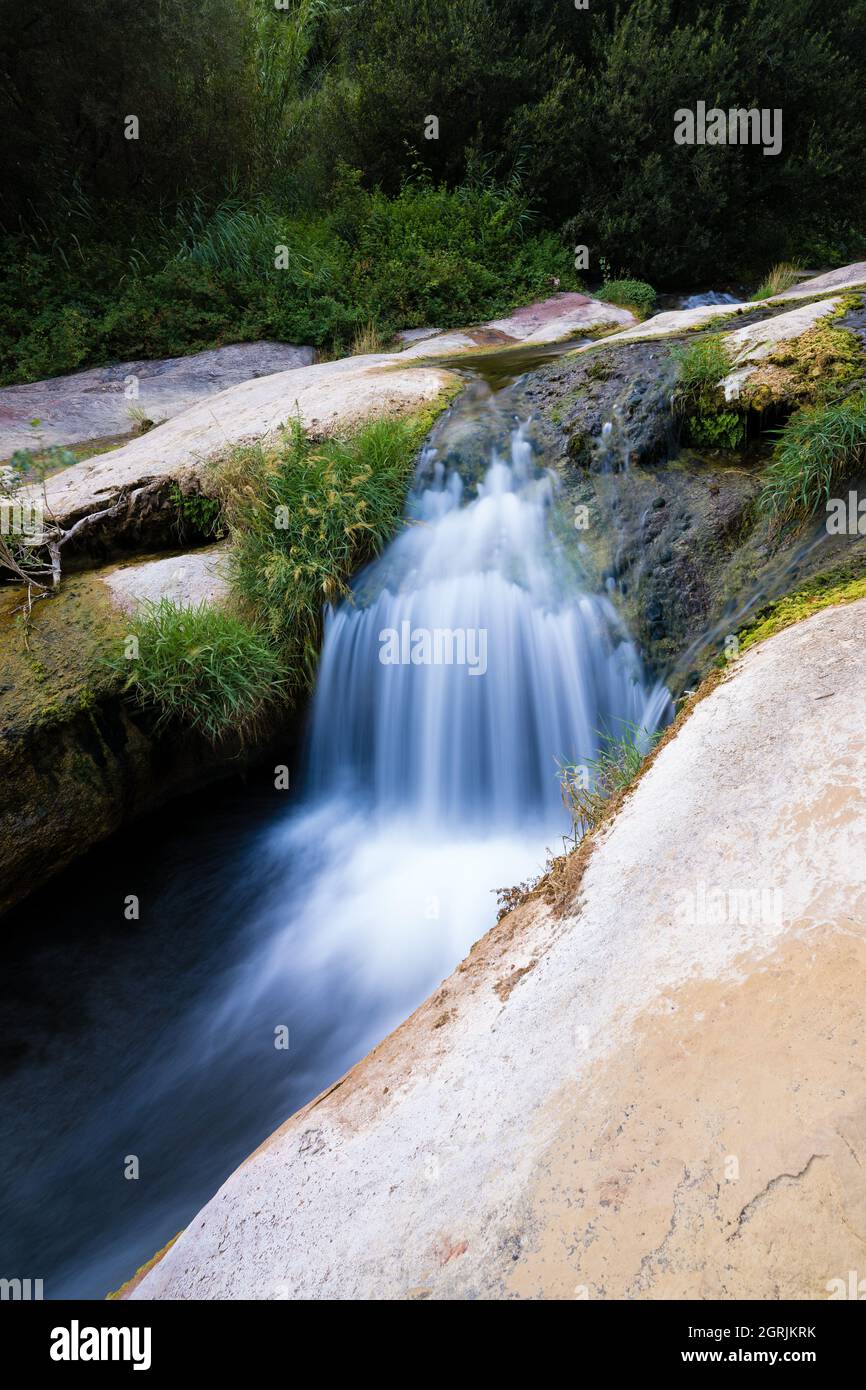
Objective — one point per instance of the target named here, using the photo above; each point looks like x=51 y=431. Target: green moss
x=52 y=666
x=842 y=585
x=809 y=369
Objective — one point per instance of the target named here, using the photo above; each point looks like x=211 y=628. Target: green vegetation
x=702 y=364
x=780 y=278
x=811 y=369
x=819 y=448
x=842 y=585
x=345 y=279
x=277 y=179
x=203 y=667
x=199 y=516
x=304 y=517
x=588 y=789
x=630 y=294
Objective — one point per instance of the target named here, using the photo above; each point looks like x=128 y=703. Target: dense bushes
x=426 y=256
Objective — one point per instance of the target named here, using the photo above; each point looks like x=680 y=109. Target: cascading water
x=437 y=779
x=469 y=658
x=530 y=666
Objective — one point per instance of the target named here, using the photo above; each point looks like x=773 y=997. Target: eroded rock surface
x=109 y=400
x=188 y=579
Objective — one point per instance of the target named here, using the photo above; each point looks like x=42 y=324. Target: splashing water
x=445 y=769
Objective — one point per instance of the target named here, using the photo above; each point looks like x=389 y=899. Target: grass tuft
x=305 y=516
x=203 y=667
x=779 y=279
x=588 y=788
x=817 y=450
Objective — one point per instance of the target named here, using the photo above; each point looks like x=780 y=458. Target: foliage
x=702 y=364
x=780 y=278
x=819 y=448
x=199 y=516
x=304 y=517
x=204 y=277
x=252 y=117
x=203 y=667
x=720 y=429
x=630 y=294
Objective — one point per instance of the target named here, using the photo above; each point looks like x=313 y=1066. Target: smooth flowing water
x=469 y=659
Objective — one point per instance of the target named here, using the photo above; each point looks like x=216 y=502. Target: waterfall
x=530 y=666
x=468 y=659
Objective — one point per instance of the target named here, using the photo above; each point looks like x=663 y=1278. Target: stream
x=471 y=658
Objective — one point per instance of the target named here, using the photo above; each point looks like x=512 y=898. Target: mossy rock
x=805 y=370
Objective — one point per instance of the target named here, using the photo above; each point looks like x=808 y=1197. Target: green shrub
x=630 y=294
x=207 y=276
x=819 y=448
x=203 y=667
x=723 y=429
x=304 y=517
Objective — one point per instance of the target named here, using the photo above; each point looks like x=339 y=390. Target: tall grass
x=818 y=449
x=203 y=667
x=304 y=517
x=589 y=788
x=779 y=279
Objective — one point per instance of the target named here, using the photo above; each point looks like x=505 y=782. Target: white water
x=429 y=786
